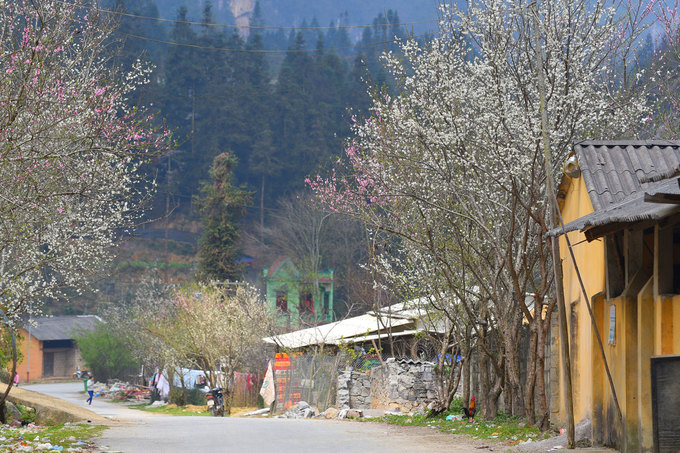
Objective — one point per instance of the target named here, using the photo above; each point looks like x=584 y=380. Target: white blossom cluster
x=462 y=147
x=454 y=165
x=71 y=149
x=208 y=328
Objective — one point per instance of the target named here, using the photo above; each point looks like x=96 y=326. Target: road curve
x=135 y=431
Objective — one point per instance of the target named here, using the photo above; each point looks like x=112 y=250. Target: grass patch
x=172 y=409
x=502 y=428
x=27 y=414
x=65 y=436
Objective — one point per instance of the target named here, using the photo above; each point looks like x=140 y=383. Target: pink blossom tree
x=71 y=148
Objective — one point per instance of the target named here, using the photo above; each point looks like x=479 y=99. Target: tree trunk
x=508 y=395
x=228 y=391
x=484 y=386
x=489 y=394
x=262 y=211
x=530 y=384
x=466 y=377
x=510 y=335
x=543 y=410
x=475 y=388
x=467 y=356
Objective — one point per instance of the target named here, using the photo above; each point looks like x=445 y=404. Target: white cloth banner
x=268 y=388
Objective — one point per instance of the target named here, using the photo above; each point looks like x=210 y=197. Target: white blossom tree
x=454 y=167
x=71 y=148
x=662 y=76
x=207 y=328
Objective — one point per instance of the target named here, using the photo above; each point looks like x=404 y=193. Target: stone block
x=355 y=413
x=331 y=412
x=11 y=412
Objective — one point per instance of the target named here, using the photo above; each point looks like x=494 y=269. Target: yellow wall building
x=620 y=202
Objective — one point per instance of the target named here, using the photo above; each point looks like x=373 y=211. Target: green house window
x=282 y=302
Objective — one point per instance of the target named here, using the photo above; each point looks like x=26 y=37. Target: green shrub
x=177 y=396
x=183 y=396
x=27 y=414
x=195 y=397
x=456 y=405
x=106 y=353
x=6 y=352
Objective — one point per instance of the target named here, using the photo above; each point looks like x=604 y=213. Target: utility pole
x=167 y=221
x=552 y=219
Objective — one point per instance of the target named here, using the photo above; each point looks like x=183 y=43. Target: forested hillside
x=278 y=99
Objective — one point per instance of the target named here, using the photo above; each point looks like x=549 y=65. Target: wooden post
x=557 y=264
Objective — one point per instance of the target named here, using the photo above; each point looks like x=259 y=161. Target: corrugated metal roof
x=414 y=362
x=375 y=336
x=62 y=327
x=630 y=210
x=614 y=170
x=335 y=332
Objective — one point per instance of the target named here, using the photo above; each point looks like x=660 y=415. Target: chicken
x=470 y=411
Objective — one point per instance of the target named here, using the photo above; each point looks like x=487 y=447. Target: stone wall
x=406 y=385
x=353 y=390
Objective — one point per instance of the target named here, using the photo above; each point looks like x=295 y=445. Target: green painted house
x=291 y=293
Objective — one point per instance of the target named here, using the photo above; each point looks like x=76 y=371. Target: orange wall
x=35 y=357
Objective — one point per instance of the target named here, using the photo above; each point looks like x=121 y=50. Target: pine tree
x=175 y=95
x=222 y=206
x=131 y=30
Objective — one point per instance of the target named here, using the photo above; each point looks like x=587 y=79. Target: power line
x=258 y=27
x=244 y=50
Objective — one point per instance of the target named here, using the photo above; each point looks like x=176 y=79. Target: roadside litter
x=32 y=437
x=301 y=409
x=264 y=411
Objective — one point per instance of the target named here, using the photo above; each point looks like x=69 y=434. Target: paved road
x=135 y=431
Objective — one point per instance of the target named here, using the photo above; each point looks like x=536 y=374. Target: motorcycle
x=215 y=399
x=82 y=374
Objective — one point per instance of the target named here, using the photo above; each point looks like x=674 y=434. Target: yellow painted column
x=666 y=326
x=645 y=350
x=630 y=353
x=676 y=325
x=598 y=305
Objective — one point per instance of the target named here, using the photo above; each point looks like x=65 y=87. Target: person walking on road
x=90 y=392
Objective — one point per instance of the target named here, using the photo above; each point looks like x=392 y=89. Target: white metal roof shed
x=335 y=332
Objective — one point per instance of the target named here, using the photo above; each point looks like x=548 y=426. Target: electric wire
x=279 y=51
x=257 y=27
